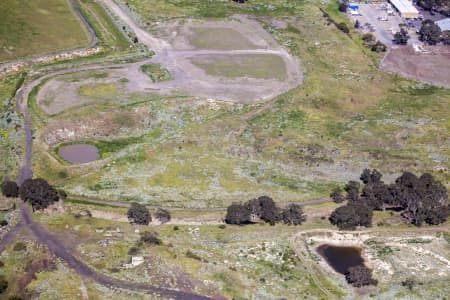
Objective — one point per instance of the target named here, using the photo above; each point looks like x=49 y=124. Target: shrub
x=10 y=189
x=293 y=215
x=151 y=238
x=343 y=27
x=62 y=194
x=139 y=214
x=350 y=216
x=133 y=251
x=379 y=47
x=360 y=276
x=192 y=255
x=19 y=246
x=3 y=284
x=237 y=214
x=163 y=215
x=337 y=196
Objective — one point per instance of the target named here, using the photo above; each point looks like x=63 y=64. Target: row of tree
x=38 y=192
x=421 y=199
x=264 y=209
x=139 y=214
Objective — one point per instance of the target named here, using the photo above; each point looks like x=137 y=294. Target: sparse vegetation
x=156 y=72
x=10 y=189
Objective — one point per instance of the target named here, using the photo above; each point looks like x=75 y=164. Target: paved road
x=54 y=245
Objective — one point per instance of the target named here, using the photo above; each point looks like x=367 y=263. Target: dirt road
x=113 y=203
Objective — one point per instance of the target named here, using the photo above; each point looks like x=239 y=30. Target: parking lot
x=374 y=18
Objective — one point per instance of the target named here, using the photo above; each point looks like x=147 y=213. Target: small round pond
x=341 y=258
x=79 y=153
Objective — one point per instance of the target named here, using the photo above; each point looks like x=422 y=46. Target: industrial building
x=405 y=8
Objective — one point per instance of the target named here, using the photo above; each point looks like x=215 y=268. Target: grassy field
x=38 y=27
x=346 y=116
x=244 y=65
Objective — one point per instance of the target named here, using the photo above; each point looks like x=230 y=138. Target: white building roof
x=404 y=6
x=443 y=24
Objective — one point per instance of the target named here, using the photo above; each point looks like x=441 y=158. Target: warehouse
x=405 y=8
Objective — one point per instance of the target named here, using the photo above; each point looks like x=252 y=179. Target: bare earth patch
x=242 y=65
x=433 y=67
x=234 y=60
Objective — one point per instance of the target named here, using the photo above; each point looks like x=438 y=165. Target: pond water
x=79 y=153
x=341 y=258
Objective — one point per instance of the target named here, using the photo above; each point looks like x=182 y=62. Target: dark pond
x=79 y=153
x=341 y=258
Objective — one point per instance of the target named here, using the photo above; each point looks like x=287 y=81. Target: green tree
x=38 y=192
x=237 y=214
x=401 y=37
x=293 y=215
x=139 y=214
x=429 y=32
x=352 y=189
x=162 y=215
x=359 y=276
x=10 y=189
x=350 y=216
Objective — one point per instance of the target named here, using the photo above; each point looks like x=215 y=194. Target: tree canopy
x=360 y=276
x=38 y=192
x=421 y=199
x=10 y=189
x=350 y=216
x=237 y=214
x=401 y=37
x=139 y=214
x=266 y=210
x=429 y=32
